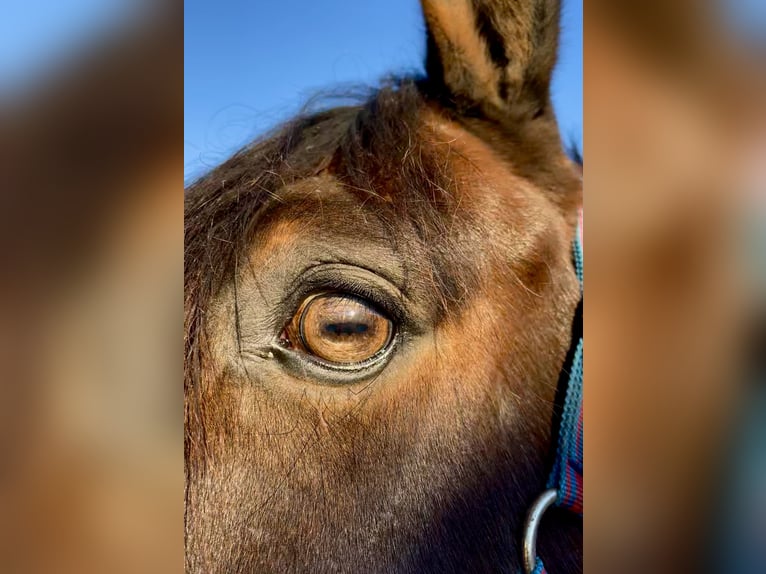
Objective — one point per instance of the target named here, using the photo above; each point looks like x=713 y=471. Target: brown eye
x=339 y=329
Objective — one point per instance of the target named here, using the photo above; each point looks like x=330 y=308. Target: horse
x=379 y=302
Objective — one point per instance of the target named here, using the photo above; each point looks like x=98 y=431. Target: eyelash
x=347 y=287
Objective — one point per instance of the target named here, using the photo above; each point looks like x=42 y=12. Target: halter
x=565 y=484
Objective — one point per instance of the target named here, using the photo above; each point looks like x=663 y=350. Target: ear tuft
x=496 y=56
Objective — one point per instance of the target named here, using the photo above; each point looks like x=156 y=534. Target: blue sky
x=250 y=65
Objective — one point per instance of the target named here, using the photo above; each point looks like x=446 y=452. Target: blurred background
x=96 y=97
x=91 y=243
x=674 y=246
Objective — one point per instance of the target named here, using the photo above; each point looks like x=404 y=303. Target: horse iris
x=340 y=328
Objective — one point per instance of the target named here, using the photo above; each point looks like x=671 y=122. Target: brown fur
x=429 y=463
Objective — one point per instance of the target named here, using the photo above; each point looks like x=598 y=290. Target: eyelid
x=335 y=374
x=350 y=279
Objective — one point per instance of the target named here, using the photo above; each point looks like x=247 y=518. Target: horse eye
x=339 y=328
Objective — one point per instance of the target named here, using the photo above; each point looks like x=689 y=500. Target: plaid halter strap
x=565 y=483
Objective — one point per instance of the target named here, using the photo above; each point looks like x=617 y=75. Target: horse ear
x=492 y=55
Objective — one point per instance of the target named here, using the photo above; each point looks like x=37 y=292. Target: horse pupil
x=340 y=329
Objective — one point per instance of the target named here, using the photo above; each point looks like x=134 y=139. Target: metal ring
x=535 y=514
